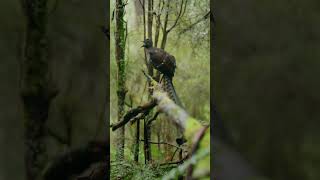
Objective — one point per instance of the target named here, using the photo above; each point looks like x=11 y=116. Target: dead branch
x=195 y=23
x=174 y=154
x=138 y=117
x=153 y=118
x=181 y=13
x=169 y=144
x=196 y=142
x=133 y=113
x=175 y=162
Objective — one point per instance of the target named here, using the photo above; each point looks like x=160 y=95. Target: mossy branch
x=131 y=114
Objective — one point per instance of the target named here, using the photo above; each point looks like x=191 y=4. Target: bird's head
x=147 y=43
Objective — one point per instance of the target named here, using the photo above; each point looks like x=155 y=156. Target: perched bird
x=166 y=64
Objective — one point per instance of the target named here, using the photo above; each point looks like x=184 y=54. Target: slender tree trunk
x=164 y=30
x=149 y=25
x=157 y=33
x=147 y=150
x=120 y=58
x=36 y=92
x=158 y=24
x=164 y=40
x=150 y=18
x=137 y=147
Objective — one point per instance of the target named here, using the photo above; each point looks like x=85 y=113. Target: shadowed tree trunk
x=137 y=147
x=36 y=91
x=150 y=18
x=120 y=41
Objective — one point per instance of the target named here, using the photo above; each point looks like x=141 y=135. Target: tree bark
x=150 y=18
x=120 y=58
x=158 y=23
x=36 y=91
x=137 y=144
x=147 y=135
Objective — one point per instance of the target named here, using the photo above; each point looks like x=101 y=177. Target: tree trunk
x=36 y=92
x=147 y=147
x=164 y=40
x=150 y=18
x=149 y=25
x=157 y=33
x=120 y=58
x=137 y=147
x=164 y=30
x=158 y=25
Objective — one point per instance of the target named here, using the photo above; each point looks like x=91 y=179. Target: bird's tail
x=169 y=88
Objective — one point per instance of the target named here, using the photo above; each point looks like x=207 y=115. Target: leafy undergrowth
x=133 y=170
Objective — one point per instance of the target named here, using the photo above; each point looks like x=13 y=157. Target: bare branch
x=196 y=142
x=181 y=12
x=163 y=143
x=176 y=162
x=153 y=118
x=166 y=18
x=142 y=4
x=195 y=23
x=133 y=113
x=138 y=117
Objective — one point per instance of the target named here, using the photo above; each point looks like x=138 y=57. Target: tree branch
x=195 y=23
x=182 y=9
x=195 y=147
x=133 y=113
x=163 y=143
x=153 y=118
x=175 y=162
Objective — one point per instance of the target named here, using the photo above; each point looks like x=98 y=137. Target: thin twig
x=174 y=154
x=195 y=23
x=176 y=162
x=169 y=144
x=182 y=9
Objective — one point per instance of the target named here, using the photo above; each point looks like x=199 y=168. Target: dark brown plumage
x=160 y=59
x=166 y=64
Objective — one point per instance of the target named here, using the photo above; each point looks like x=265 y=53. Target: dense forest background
x=189 y=42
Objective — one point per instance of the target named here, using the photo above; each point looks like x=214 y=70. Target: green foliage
x=132 y=170
x=174 y=173
x=191 y=50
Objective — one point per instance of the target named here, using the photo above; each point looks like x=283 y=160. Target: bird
x=166 y=64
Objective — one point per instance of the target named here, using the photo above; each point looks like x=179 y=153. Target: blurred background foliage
x=77 y=56
x=267 y=85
